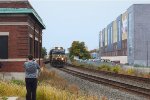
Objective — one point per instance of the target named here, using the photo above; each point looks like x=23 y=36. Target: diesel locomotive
x=57 y=57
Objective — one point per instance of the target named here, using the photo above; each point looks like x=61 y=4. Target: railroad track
x=135 y=78
x=107 y=82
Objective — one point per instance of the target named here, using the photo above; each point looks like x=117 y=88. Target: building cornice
x=11 y=1
x=18 y=23
x=22 y=11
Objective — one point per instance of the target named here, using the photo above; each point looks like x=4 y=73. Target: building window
x=108 y=33
x=111 y=32
x=40 y=50
x=122 y=44
x=101 y=36
x=31 y=45
x=99 y=40
x=119 y=30
x=3 y=47
x=36 y=49
x=130 y=34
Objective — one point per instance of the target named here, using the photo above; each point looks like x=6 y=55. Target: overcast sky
x=78 y=20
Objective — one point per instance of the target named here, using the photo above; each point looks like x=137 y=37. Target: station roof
x=22 y=11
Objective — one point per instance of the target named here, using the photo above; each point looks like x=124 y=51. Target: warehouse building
x=20 y=34
x=127 y=39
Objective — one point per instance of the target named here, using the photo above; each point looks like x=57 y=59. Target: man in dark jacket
x=31 y=75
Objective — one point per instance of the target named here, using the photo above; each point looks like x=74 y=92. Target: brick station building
x=20 y=34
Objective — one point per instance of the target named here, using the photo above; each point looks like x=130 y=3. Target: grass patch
x=50 y=87
x=11 y=89
x=114 y=69
x=104 y=67
x=18 y=82
x=130 y=71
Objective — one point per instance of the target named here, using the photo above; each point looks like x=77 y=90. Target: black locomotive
x=57 y=57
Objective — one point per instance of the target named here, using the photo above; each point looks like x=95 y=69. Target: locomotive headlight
x=62 y=58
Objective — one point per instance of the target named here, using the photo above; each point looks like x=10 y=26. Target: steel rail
x=135 y=78
x=118 y=85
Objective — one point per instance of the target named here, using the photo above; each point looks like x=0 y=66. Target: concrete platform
x=12 y=75
x=10 y=98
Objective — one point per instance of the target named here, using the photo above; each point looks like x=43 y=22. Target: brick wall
x=17 y=40
x=15 y=66
x=19 y=27
x=12 y=67
x=13 y=18
x=18 y=4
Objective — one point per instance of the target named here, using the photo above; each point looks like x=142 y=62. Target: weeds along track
x=107 y=82
x=135 y=78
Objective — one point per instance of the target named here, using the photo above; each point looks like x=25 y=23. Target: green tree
x=78 y=49
x=43 y=52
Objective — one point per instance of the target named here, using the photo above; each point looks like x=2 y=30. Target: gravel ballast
x=118 y=79
x=96 y=89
